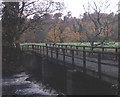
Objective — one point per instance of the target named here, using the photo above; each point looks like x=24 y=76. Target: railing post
x=116 y=50
x=92 y=49
x=72 y=51
x=84 y=61
x=33 y=47
x=57 y=53
x=40 y=49
x=47 y=51
x=103 y=49
x=51 y=52
x=53 y=45
x=63 y=55
x=99 y=65
x=43 y=50
x=76 y=50
x=83 y=47
x=46 y=44
x=66 y=48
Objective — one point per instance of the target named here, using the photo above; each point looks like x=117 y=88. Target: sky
x=76 y=6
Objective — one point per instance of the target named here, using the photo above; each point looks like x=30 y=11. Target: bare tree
x=24 y=10
x=99 y=23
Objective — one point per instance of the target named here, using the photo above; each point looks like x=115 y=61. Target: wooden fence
x=58 y=50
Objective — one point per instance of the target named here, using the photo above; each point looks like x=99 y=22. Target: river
x=18 y=84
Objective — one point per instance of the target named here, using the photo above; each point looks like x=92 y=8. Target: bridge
x=99 y=62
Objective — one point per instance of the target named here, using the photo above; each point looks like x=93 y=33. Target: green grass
x=110 y=44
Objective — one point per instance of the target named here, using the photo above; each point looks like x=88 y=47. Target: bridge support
x=69 y=81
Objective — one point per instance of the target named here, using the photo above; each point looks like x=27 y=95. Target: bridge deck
x=106 y=69
x=109 y=68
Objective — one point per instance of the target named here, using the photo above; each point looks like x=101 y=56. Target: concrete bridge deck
x=106 y=70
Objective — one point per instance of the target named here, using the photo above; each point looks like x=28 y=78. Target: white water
x=17 y=85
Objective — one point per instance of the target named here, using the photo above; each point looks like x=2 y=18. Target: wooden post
x=57 y=53
x=72 y=51
x=83 y=47
x=66 y=48
x=84 y=61
x=116 y=50
x=92 y=49
x=63 y=55
x=40 y=49
x=103 y=49
x=33 y=47
x=47 y=51
x=51 y=53
x=76 y=50
x=99 y=65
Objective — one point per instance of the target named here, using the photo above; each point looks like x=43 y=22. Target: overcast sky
x=76 y=6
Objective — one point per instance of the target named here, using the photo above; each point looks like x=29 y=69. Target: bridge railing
x=101 y=48
x=75 y=54
x=55 y=52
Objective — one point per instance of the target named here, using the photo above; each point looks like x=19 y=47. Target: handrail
x=55 y=50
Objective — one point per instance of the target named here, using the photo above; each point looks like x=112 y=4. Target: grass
x=110 y=44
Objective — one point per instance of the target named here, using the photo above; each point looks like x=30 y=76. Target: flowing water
x=18 y=85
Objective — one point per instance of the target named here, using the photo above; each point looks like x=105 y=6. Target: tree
x=54 y=32
x=15 y=15
x=98 y=26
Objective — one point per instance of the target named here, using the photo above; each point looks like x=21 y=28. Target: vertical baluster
x=66 y=48
x=84 y=61
x=63 y=55
x=40 y=49
x=57 y=53
x=72 y=51
x=99 y=65
x=47 y=51
x=33 y=47
x=103 y=49
x=51 y=52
